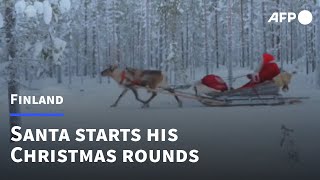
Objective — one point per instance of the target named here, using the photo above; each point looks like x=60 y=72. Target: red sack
x=215 y=82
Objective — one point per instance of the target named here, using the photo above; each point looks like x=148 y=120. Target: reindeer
x=132 y=79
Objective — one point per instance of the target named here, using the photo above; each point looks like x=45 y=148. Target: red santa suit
x=268 y=71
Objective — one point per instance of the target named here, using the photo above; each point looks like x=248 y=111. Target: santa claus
x=268 y=70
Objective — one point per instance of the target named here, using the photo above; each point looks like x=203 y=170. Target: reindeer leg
x=175 y=96
x=146 y=104
x=135 y=92
x=121 y=95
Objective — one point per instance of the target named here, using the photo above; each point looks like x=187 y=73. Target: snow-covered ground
x=244 y=140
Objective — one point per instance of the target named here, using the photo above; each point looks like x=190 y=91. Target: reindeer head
x=109 y=70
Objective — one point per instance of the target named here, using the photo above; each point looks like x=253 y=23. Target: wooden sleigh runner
x=266 y=94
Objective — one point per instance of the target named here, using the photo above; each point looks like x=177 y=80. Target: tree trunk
x=206 y=37
x=183 y=62
x=13 y=86
x=264 y=27
x=161 y=34
x=243 y=49
x=307 y=49
x=251 y=52
x=187 y=42
x=147 y=60
x=278 y=34
x=317 y=56
x=94 y=41
x=59 y=74
x=230 y=57
x=85 y=58
x=291 y=43
x=217 y=39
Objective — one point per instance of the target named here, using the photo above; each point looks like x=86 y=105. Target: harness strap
x=123 y=77
x=136 y=82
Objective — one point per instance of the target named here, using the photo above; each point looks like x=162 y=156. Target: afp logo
x=304 y=17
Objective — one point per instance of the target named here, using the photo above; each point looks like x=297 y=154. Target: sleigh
x=265 y=94
x=216 y=93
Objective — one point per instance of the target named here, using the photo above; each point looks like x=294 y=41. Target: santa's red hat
x=267 y=58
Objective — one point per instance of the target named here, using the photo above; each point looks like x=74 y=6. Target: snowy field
x=244 y=140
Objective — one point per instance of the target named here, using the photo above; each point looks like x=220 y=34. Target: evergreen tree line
x=182 y=37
